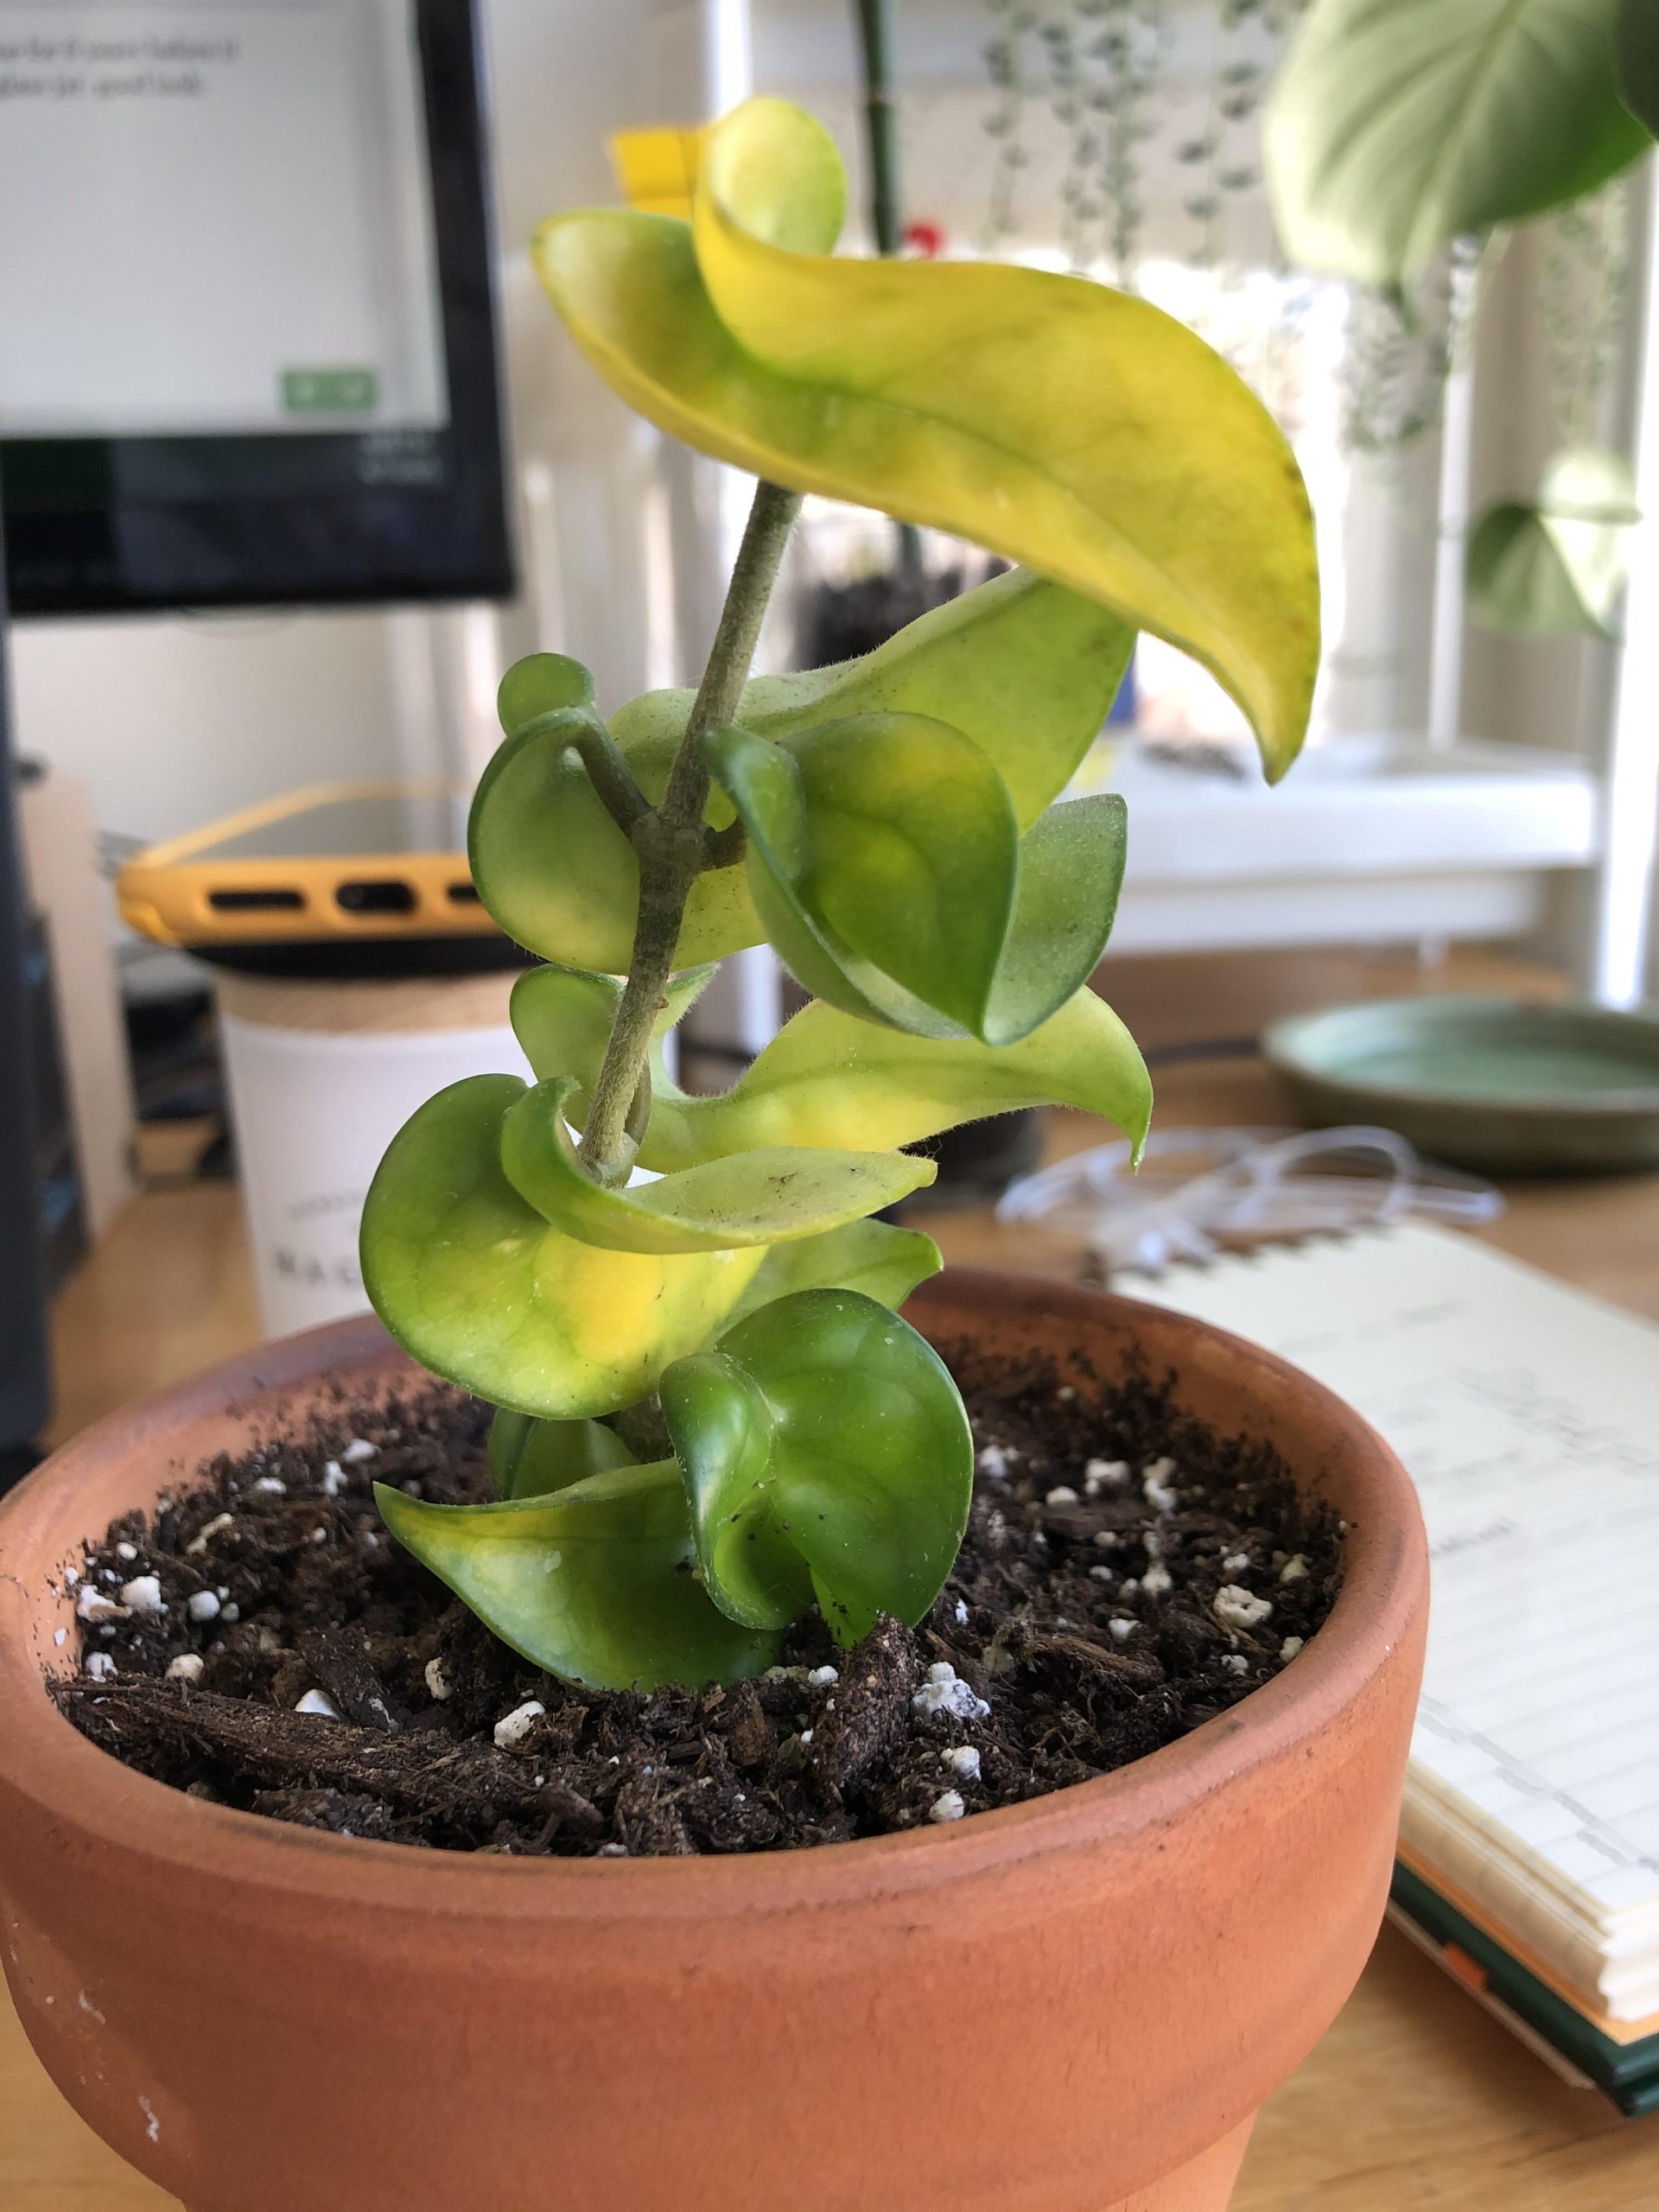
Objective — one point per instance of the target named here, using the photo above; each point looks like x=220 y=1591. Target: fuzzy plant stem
x=671 y=841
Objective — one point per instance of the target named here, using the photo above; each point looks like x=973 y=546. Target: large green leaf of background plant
x=1024 y=669
x=1398 y=125
x=1555 y=566
x=1074 y=428
x=829 y=1078
x=1638 y=59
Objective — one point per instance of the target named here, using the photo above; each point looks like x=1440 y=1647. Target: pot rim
x=109 y=1803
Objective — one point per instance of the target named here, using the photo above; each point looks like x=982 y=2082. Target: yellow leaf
x=1078 y=431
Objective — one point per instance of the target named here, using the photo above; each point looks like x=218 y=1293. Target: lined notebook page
x=1528 y=1415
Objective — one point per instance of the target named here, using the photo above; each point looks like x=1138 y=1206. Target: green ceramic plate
x=1504 y=1086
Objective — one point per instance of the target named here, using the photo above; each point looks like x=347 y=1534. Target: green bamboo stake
x=882 y=148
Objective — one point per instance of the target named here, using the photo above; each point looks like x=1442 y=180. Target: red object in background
x=927 y=239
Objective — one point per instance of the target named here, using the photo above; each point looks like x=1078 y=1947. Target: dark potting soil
x=1127 y=1575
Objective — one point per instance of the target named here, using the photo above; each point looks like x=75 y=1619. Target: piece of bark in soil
x=337 y=1812
x=648 y=1819
x=341 y=1665
x=419 y=1771
x=872 y=1705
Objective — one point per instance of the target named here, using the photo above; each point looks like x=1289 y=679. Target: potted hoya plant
x=930 y=1759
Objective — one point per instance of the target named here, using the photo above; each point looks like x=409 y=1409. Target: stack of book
x=1528 y=1415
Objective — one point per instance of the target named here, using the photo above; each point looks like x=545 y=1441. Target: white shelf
x=1369 y=840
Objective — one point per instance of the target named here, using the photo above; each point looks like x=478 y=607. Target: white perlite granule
x=993 y=1461
x=1156 y=1581
x=1235 y=1607
x=318 y=1701
x=1236 y=1663
x=1062 y=1494
x=1155 y=1484
x=513 y=1727
x=273 y=1485
x=947 y=1807
x=143 y=1594
x=334 y=1478
x=359 y=1448
x=438 y=1685
x=945 y=1692
x=202 y=1605
x=820 y=1678
x=187 y=1667
x=100 y=1666
x=92 y=1606
x=1289 y=1647
x=1121 y=1629
x=1100 y=1474
x=199 y=1544
x=1295 y=1569
x=962 y=1759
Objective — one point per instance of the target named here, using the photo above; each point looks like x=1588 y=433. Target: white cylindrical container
x=322 y=1076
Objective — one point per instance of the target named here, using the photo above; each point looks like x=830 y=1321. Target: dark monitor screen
x=247 y=332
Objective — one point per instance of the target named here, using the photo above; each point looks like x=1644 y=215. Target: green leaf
x=876 y=1258
x=1398 y=125
x=827 y=1078
x=883 y=857
x=756 y=1197
x=595 y=1583
x=1556 y=568
x=541 y=683
x=884 y=862
x=1025 y=668
x=474 y=1283
x=530 y=1457
x=1071 y=872
x=826 y=1451
x=1638 y=59
x=1071 y=427
x=562 y=1019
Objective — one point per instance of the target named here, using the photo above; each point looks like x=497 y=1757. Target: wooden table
x=1415 y=2100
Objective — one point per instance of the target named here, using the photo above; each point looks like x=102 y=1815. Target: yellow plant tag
x=657 y=170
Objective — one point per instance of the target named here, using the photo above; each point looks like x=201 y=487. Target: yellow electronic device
x=338 y=877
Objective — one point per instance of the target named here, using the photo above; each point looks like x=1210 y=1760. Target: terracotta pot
x=1064 y=2007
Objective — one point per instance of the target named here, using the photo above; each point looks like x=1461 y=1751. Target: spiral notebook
x=1528 y=1414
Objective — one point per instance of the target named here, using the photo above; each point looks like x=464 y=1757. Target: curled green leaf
x=828 y=1078
x=595 y=1583
x=530 y=1457
x=757 y=1197
x=474 y=1283
x=876 y=1258
x=826 y=1452
x=1025 y=669
x=563 y=1018
x=886 y=863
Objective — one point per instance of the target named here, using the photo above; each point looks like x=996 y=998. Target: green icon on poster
x=330 y=391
